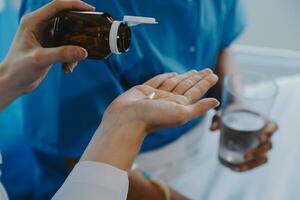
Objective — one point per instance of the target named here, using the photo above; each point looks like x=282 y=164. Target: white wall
x=273 y=23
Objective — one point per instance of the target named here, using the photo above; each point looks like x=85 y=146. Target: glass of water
x=247 y=100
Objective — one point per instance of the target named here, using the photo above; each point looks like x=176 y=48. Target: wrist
x=9 y=81
x=7 y=90
x=116 y=142
x=125 y=120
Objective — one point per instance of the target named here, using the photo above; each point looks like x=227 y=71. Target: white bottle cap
x=133 y=20
x=113 y=37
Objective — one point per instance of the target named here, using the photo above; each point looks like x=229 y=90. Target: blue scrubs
x=17 y=180
x=63 y=113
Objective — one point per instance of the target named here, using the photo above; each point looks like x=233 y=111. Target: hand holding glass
x=246 y=104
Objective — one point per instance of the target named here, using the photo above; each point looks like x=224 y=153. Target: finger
x=157 y=81
x=171 y=83
x=189 y=82
x=66 y=67
x=67 y=54
x=268 y=132
x=50 y=10
x=198 y=90
x=154 y=93
x=251 y=165
x=73 y=66
x=69 y=67
x=216 y=122
x=179 y=99
x=259 y=151
x=201 y=107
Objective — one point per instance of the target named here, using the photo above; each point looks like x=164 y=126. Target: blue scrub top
x=64 y=112
x=8 y=26
x=11 y=117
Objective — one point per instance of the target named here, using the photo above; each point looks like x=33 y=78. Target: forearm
x=142 y=188
x=8 y=93
x=150 y=192
x=115 y=145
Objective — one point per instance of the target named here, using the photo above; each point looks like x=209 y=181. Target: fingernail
x=214 y=77
x=83 y=54
x=209 y=70
x=217 y=103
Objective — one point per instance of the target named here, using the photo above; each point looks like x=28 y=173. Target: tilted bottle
x=97 y=32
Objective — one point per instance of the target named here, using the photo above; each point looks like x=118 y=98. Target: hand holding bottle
x=28 y=61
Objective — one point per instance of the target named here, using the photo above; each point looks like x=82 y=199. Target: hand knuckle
x=161 y=76
x=138 y=87
x=53 y=3
x=31 y=87
x=193 y=71
x=35 y=57
x=56 y=4
x=197 y=77
x=207 y=83
x=142 y=88
x=181 y=116
x=188 y=83
x=25 y=20
x=66 y=54
x=171 y=82
x=199 y=90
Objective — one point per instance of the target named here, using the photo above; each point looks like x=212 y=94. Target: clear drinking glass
x=246 y=104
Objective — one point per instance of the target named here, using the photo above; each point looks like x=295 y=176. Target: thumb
x=216 y=122
x=67 y=54
x=202 y=107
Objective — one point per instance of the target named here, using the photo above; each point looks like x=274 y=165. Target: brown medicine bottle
x=97 y=32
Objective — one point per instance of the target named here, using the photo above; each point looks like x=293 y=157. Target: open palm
x=167 y=100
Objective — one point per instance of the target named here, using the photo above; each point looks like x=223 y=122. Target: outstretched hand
x=167 y=100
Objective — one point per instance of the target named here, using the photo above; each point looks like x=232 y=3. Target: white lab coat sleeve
x=94 y=181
